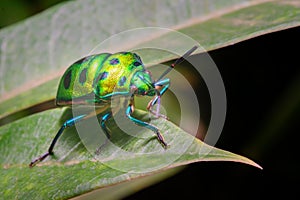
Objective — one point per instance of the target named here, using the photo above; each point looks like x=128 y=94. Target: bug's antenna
x=178 y=61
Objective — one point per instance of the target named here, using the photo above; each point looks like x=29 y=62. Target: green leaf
x=43 y=46
x=35 y=53
x=73 y=170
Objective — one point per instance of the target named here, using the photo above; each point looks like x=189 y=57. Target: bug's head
x=143 y=84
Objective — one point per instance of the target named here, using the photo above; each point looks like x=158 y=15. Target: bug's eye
x=136 y=63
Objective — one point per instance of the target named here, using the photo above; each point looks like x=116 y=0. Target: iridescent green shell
x=96 y=78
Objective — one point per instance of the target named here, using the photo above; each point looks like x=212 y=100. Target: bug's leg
x=156 y=99
x=68 y=123
x=105 y=129
x=166 y=84
x=129 y=111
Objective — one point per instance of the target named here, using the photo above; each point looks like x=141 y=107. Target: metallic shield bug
x=95 y=79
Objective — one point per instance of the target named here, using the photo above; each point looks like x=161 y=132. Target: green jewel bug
x=95 y=79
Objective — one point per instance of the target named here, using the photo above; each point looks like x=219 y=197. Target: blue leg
x=103 y=126
x=164 y=89
x=104 y=119
x=156 y=99
x=129 y=111
x=68 y=123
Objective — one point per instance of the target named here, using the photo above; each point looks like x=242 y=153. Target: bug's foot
x=38 y=159
x=162 y=141
x=98 y=151
x=165 y=145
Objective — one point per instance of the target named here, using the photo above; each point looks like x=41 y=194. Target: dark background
x=262 y=81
